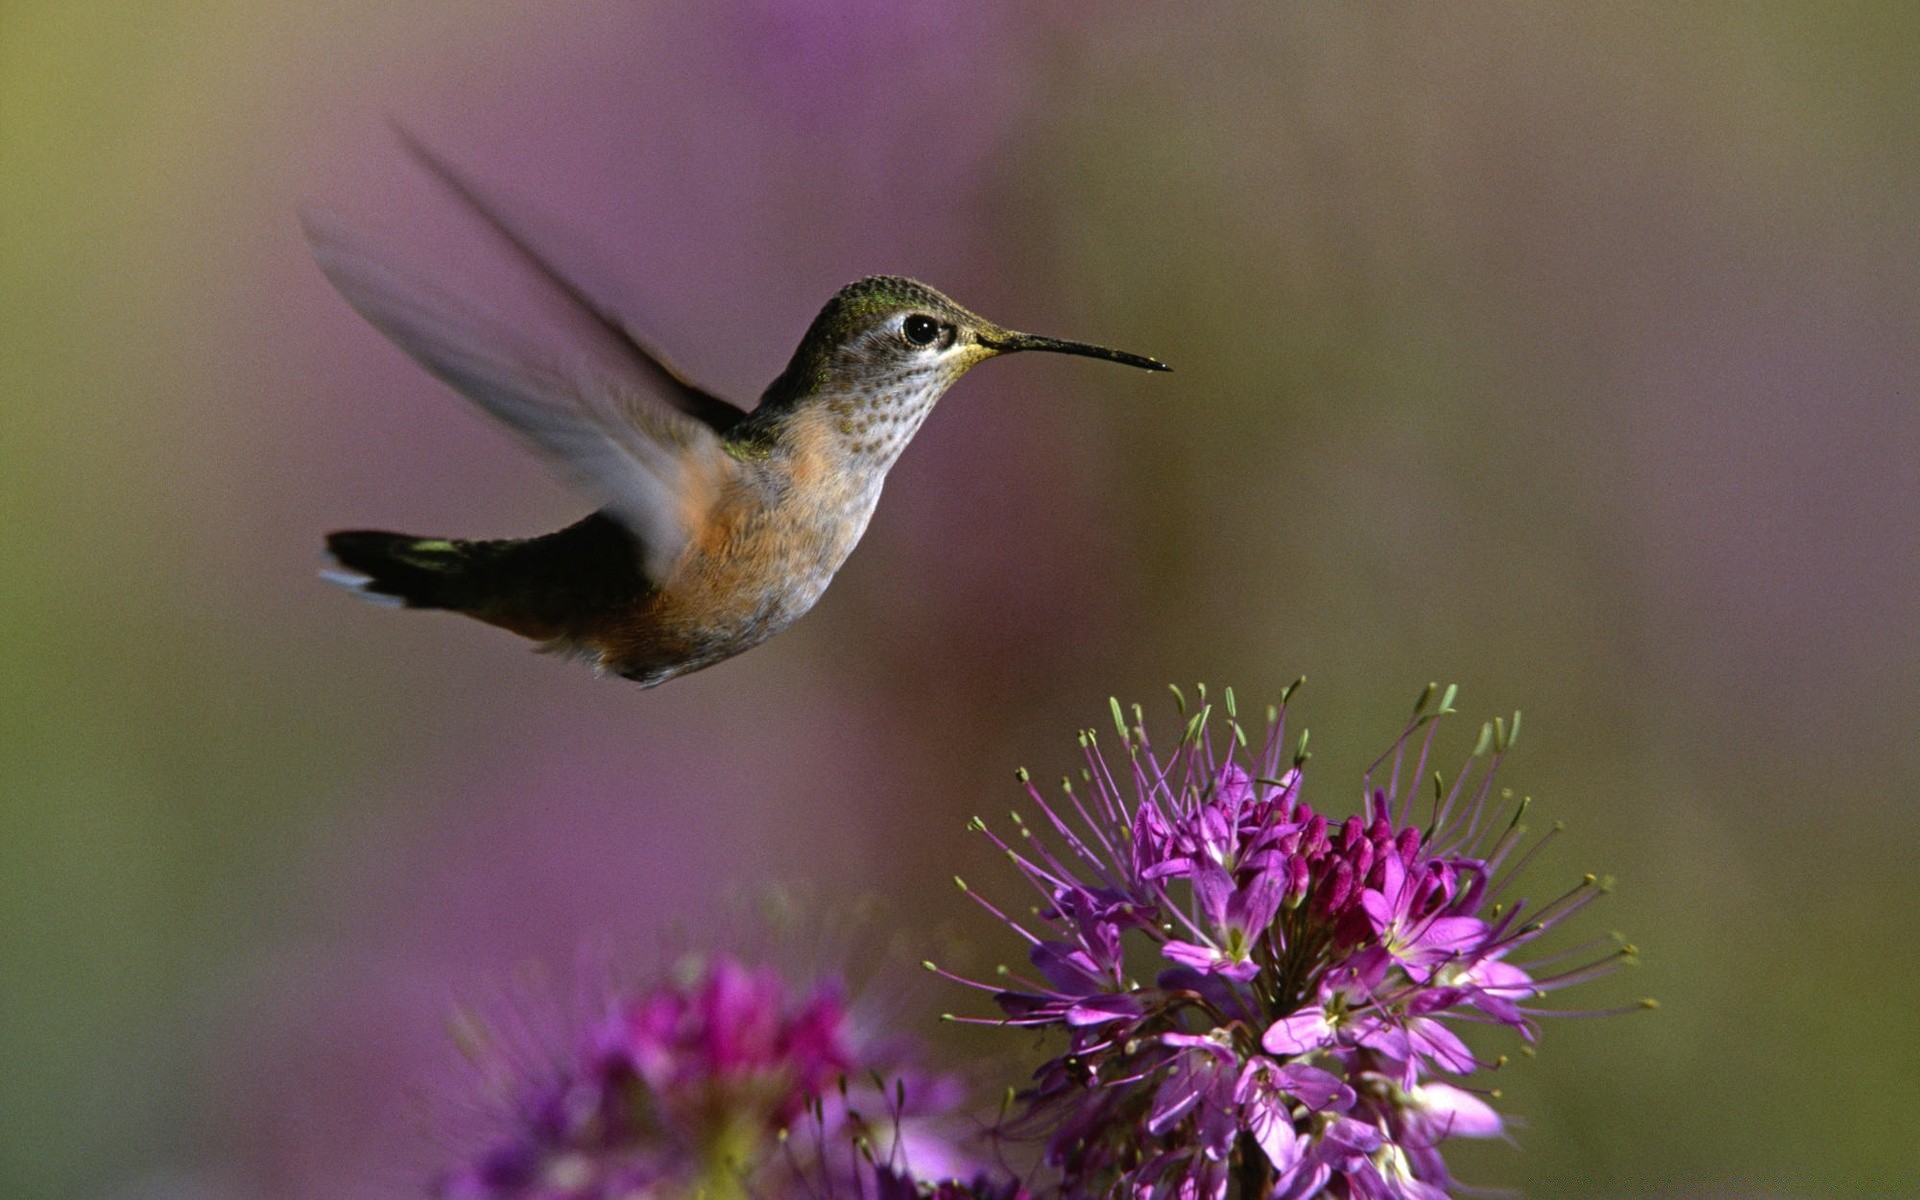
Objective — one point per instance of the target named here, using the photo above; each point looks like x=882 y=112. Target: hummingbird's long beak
x=1009 y=343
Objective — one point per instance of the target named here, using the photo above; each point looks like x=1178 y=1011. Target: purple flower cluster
x=1259 y=997
x=724 y=1083
x=1258 y=1001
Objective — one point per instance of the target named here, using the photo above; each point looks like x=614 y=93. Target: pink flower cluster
x=1255 y=995
x=726 y=1082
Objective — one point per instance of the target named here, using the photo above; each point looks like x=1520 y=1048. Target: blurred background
x=1568 y=353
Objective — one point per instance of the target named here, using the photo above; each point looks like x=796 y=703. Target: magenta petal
x=1197 y=1041
x=1503 y=979
x=1453 y=934
x=1289 y=789
x=1213 y=988
x=1364 y=973
x=1066 y=966
x=1448 y=1111
x=1434 y=999
x=1504 y=1011
x=1393 y=882
x=1187 y=954
x=1282 y=1144
x=1234 y=787
x=1442 y=1045
x=1307 y=1181
x=1414 y=1189
x=1267 y=1115
x=1177 y=1096
x=1301 y=1033
x=1209 y=960
x=1252 y=908
x=1213 y=889
x=1352 y=1135
x=1097 y=1010
x=1313 y=1087
x=1389 y=1040
x=1239 y=972
x=1381 y=913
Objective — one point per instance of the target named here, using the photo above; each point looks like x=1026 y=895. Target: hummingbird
x=719 y=526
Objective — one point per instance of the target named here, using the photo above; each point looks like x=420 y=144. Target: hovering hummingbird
x=721 y=526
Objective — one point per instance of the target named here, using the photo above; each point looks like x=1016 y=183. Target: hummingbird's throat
x=872 y=428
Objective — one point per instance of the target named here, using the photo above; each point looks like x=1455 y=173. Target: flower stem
x=1252 y=1172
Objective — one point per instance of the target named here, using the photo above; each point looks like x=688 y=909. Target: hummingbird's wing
x=658 y=469
x=596 y=318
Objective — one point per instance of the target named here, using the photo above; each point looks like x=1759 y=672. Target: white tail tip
x=355 y=582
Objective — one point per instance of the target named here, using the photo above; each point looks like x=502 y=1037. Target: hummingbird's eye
x=920 y=329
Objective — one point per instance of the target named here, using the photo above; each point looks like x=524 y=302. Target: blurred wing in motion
x=591 y=319
x=657 y=468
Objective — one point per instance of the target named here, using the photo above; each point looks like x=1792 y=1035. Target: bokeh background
x=1565 y=352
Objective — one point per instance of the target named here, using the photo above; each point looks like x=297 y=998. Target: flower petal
x=1456 y=935
x=1443 y=1111
x=1097 y=1010
x=1190 y=954
x=1313 y=1087
x=1301 y=1033
x=1441 y=1044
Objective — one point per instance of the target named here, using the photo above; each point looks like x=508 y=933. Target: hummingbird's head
x=885 y=348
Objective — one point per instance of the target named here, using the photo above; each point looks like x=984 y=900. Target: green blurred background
x=1567 y=352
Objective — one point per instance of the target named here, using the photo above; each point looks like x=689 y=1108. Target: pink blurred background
x=1567 y=353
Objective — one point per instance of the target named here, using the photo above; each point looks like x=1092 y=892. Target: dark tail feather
x=398 y=569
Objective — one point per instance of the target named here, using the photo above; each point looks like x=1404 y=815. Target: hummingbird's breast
x=771 y=544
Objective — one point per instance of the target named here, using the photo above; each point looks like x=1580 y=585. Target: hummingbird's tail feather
x=560 y=587
x=401 y=570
